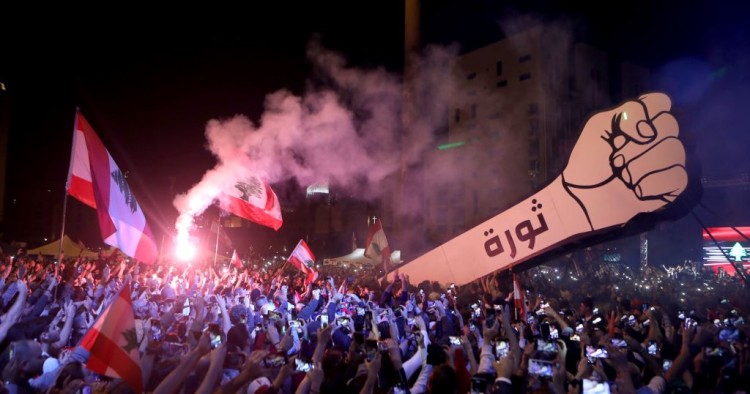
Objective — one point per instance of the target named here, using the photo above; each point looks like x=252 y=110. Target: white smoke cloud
x=344 y=131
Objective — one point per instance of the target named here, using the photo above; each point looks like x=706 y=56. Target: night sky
x=149 y=80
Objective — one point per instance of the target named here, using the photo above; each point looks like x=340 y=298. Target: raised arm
x=12 y=316
x=250 y=372
x=214 y=370
x=177 y=377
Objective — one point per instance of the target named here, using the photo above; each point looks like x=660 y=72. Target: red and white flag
x=376 y=246
x=518 y=298
x=79 y=183
x=121 y=220
x=253 y=199
x=303 y=259
x=112 y=343
x=236 y=260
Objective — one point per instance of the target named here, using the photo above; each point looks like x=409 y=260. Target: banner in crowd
x=303 y=259
x=112 y=343
x=254 y=200
x=94 y=173
x=628 y=160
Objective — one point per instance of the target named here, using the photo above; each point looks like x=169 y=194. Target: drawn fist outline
x=627 y=160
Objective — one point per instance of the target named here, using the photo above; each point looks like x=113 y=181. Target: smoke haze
x=344 y=130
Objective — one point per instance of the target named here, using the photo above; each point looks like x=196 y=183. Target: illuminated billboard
x=734 y=245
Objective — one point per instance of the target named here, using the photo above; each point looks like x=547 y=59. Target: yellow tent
x=70 y=248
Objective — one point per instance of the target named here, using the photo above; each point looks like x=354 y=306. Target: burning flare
x=184 y=249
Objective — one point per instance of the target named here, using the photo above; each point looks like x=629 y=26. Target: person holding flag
x=235 y=261
x=112 y=343
x=376 y=246
x=303 y=259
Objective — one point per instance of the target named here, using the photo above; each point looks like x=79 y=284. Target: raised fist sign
x=627 y=160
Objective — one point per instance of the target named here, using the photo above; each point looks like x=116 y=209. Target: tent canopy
x=69 y=247
x=357 y=258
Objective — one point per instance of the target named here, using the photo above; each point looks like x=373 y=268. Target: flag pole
x=216 y=249
x=65 y=192
x=62 y=230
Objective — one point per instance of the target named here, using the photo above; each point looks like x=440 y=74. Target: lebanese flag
x=376 y=246
x=304 y=260
x=236 y=260
x=253 y=199
x=121 y=220
x=518 y=298
x=79 y=183
x=112 y=343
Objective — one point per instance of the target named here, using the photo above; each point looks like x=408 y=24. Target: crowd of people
x=586 y=328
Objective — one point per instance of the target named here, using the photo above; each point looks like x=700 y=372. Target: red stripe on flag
x=250 y=212
x=270 y=197
x=146 y=246
x=107 y=355
x=82 y=190
x=99 y=161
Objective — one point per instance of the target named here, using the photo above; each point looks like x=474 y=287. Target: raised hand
x=252 y=368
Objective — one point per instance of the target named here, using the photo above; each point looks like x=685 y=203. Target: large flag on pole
x=253 y=199
x=376 y=245
x=79 y=183
x=121 y=220
x=303 y=259
x=112 y=343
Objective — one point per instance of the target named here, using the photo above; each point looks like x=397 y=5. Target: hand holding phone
x=596 y=352
x=502 y=348
x=156 y=333
x=214 y=332
x=302 y=366
x=371 y=348
x=540 y=368
x=275 y=360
